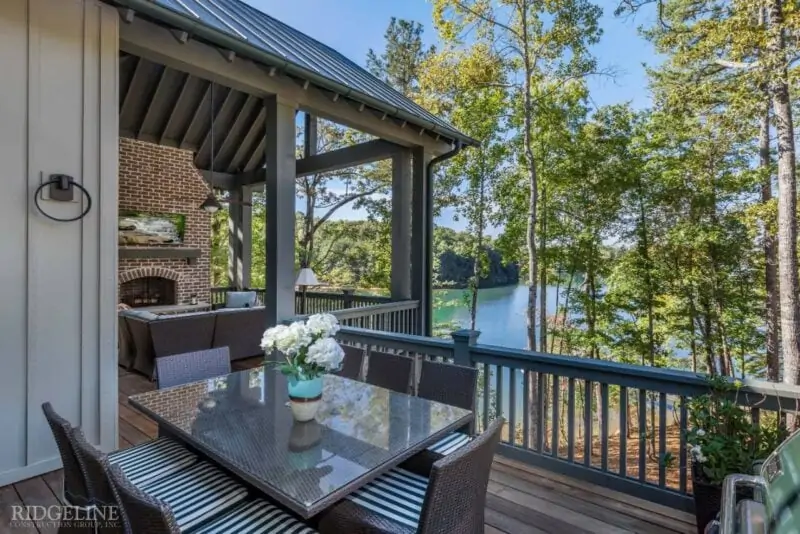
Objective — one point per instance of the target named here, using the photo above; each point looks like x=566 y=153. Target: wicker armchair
x=390 y=371
x=353 y=362
x=144 y=513
x=188 y=367
x=451 y=500
x=449 y=384
x=76 y=490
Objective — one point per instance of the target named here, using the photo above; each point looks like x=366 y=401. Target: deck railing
x=316 y=301
x=618 y=425
x=400 y=317
x=323 y=302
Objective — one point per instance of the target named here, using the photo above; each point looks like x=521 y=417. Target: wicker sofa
x=144 y=336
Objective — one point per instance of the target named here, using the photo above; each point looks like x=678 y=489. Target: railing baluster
x=498 y=385
x=755 y=416
x=642 y=434
x=683 y=474
x=526 y=410
x=604 y=427
x=512 y=406
x=486 y=399
x=587 y=422
x=662 y=438
x=623 y=431
x=571 y=419
x=556 y=416
x=540 y=380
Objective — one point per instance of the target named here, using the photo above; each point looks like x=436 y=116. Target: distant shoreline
x=482 y=287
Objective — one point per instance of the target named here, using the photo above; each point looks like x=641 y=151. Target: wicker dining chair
x=143 y=463
x=451 y=500
x=142 y=513
x=449 y=384
x=390 y=371
x=353 y=362
x=195 y=494
x=179 y=369
x=76 y=491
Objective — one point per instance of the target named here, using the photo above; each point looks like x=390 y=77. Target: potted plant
x=309 y=350
x=723 y=440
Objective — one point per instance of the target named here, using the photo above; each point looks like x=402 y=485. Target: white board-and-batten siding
x=58 y=115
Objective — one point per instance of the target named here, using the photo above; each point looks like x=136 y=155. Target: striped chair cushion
x=256 y=517
x=153 y=460
x=397 y=495
x=197 y=494
x=450 y=443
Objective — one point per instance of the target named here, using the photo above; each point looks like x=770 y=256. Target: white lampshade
x=306 y=277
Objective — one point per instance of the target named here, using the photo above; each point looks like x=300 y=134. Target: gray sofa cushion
x=240 y=299
x=140 y=314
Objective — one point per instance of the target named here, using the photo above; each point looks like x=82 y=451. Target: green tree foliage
x=399 y=63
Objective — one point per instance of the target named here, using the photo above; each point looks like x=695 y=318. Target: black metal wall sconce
x=62 y=189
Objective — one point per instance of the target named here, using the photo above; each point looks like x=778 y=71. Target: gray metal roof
x=233 y=22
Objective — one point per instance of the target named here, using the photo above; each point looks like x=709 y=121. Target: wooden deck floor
x=522 y=499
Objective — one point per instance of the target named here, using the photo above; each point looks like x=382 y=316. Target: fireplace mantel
x=189 y=254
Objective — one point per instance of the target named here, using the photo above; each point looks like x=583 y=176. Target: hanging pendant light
x=211 y=204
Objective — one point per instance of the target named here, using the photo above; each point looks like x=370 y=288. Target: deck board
x=522 y=499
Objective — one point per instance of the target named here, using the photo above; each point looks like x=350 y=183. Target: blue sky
x=354 y=26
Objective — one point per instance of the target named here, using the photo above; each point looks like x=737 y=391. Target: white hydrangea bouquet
x=309 y=347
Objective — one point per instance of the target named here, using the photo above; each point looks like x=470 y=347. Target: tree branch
x=489 y=20
x=343 y=202
x=736 y=64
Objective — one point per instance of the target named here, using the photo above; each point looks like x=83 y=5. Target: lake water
x=501 y=313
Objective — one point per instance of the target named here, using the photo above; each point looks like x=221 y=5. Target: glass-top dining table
x=242 y=422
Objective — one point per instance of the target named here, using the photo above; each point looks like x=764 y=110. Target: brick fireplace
x=163 y=180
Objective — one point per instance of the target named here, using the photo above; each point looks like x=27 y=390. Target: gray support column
x=309 y=135
x=422 y=241
x=280 y=197
x=240 y=242
x=401 y=226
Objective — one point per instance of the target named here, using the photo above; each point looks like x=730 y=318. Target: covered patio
x=183 y=92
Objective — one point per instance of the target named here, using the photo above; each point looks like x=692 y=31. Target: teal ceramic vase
x=305 y=397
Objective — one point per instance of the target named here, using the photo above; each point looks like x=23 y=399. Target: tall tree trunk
x=787 y=195
x=307 y=243
x=555 y=315
x=563 y=322
x=594 y=350
x=477 y=266
x=644 y=246
x=772 y=305
x=530 y=162
x=543 y=274
x=708 y=339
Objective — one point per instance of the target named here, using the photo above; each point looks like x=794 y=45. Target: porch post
x=401 y=226
x=309 y=135
x=280 y=201
x=240 y=242
x=422 y=241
